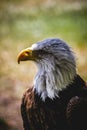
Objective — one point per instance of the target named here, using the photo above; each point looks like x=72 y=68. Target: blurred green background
x=24 y=22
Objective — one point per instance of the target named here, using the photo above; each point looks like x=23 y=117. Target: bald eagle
x=58 y=98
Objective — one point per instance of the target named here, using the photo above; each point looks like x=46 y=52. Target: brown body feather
x=66 y=112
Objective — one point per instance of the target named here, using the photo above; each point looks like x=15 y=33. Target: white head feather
x=56 y=67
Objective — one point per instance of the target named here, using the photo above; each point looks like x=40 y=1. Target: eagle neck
x=51 y=78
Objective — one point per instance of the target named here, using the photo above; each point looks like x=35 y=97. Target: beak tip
x=18 y=61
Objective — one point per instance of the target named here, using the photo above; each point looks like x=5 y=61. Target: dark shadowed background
x=24 y=22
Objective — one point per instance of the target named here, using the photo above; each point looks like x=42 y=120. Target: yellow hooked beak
x=25 y=55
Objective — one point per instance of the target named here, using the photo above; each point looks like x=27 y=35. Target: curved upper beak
x=24 y=55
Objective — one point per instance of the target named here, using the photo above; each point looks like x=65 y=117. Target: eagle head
x=56 y=66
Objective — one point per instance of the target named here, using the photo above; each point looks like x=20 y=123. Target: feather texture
x=59 y=113
x=58 y=99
